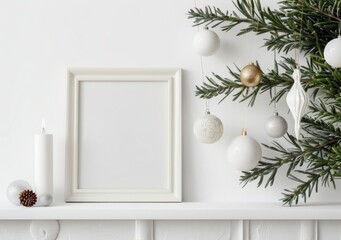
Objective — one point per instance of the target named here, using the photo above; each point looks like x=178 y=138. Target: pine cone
x=28 y=198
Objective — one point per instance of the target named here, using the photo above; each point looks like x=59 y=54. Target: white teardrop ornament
x=297 y=101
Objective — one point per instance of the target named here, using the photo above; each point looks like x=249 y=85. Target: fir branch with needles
x=315 y=160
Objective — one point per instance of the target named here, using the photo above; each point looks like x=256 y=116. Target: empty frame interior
x=123 y=135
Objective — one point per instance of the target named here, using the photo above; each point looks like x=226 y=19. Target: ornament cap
x=244 y=132
x=275 y=113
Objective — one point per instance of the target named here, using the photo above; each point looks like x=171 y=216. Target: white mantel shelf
x=176 y=211
x=179 y=211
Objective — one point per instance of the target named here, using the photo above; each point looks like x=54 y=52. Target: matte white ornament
x=208 y=128
x=45 y=200
x=297 y=101
x=276 y=126
x=206 y=42
x=44 y=229
x=14 y=190
x=244 y=152
x=332 y=52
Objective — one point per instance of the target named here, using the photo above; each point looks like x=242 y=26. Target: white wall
x=40 y=39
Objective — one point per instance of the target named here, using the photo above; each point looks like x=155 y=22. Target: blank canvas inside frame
x=123 y=135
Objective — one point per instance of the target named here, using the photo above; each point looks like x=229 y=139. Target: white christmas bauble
x=244 y=153
x=14 y=190
x=45 y=200
x=206 y=42
x=332 y=52
x=276 y=126
x=208 y=128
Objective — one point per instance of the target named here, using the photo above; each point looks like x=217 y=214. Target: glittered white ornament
x=244 y=153
x=14 y=190
x=297 y=101
x=276 y=126
x=208 y=128
x=45 y=200
x=332 y=52
x=206 y=42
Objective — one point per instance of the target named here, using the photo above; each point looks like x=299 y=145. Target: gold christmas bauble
x=251 y=75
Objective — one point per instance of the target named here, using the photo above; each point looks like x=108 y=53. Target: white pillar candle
x=43 y=163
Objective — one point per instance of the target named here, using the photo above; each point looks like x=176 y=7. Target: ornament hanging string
x=299 y=43
x=254 y=50
x=245 y=108
x=207 y=102
x=296 y=98
x=275 y=89
x=245 y=113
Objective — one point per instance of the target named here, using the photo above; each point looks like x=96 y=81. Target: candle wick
x=43 y=125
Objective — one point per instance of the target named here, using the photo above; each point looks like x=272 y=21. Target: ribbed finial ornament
x=297 y=101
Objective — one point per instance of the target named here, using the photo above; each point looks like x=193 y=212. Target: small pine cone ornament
x=28 y=198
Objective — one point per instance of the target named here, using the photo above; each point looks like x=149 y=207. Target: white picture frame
x=123 y=135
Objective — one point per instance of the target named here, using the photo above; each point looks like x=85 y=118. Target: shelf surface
x=176 y=211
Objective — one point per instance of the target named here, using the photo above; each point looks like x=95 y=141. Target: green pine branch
x=285 y=26
x=218 y=85
x=315 y=160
